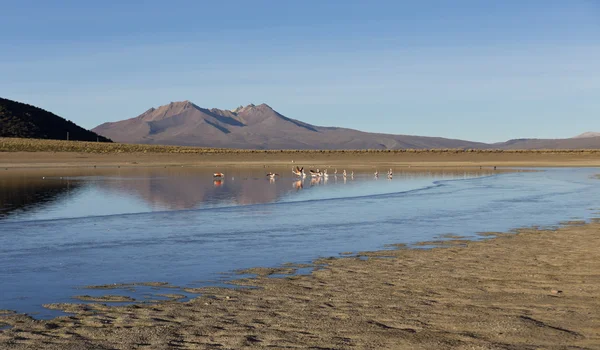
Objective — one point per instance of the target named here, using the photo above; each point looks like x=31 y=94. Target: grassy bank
x=38 y=145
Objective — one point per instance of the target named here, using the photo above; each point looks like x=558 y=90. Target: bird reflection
x=298 y=185
x=218 y=183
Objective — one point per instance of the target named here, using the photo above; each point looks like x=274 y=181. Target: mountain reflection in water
x=20 y=194
x=68 y=193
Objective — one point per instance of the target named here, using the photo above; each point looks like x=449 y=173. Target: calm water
x=68 y=230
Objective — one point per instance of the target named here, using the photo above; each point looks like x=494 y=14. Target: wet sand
x=531 y=290
x=15 y=160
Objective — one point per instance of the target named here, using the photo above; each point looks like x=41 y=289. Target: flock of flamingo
x=299 y=172
x=317 y=175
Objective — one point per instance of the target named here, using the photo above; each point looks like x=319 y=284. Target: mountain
x=587 y=135
x=22 y=120
x=253 y=127
x=572 y=143
x=261 y=127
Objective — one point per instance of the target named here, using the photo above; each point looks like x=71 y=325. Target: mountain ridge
x=254 y=126
x=587 y=134
x=246 y=127
x=22 y=120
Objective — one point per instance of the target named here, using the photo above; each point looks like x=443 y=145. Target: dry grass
x=38 y=145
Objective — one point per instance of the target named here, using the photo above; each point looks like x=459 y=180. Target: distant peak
x=180 y=103
x=237 y=109
x=264 y=105
x=587 y=135
x=251 y=106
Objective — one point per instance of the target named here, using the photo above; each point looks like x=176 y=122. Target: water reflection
x=79 y=193
x=298 y=185
x=42 y=261
x=19 y=194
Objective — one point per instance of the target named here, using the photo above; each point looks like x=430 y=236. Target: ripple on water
x=192 y=248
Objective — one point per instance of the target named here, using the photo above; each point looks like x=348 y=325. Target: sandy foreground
x=12 y=160
x=532 y=290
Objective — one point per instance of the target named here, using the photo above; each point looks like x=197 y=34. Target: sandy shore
x=12 y=160
x=531 y=290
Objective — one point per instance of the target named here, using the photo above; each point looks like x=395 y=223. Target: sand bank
x=534 y=289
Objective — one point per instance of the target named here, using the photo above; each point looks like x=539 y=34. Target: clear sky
x=479 y=70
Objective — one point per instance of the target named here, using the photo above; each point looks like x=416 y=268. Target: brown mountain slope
x=572 y=143
x=587 y=135
x=260 y=127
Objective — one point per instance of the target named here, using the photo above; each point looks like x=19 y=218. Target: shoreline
x=422 y=159
x=533 y=288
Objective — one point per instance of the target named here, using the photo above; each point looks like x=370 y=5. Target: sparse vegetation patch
x=8 y=144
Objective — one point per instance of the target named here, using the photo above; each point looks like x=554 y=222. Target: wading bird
x=298 y=171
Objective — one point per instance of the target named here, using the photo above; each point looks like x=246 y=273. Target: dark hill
x=23 y=120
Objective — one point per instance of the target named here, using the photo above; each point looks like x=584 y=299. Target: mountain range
x=261 y=127
x=248 y=127
x=22 y=120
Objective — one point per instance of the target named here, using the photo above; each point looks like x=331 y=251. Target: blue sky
x=479 y=70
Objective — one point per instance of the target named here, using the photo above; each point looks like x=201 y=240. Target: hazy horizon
x=467 y=70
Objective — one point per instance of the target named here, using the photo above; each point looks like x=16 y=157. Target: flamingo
x=390 y=174
x=344 y=173
x=315 y=173
x=376 y=173
x=218 y=175
x=298 y=171
x=272 y=176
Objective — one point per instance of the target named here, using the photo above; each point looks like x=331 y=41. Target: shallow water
x=179 y=226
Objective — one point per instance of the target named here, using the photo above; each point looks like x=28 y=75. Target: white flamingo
x=298 y=171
